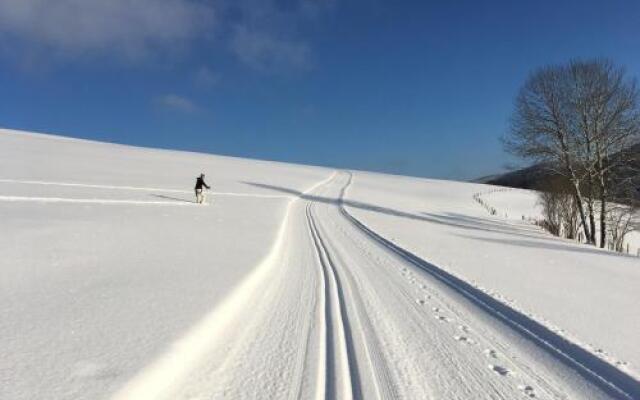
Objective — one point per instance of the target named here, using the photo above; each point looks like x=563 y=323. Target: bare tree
x=549 y=201
x=623 y=210
x=559 y=208
x=569 y=213
x=621 y=220
x=543 y=129
x=578 y=118
x=608 y=124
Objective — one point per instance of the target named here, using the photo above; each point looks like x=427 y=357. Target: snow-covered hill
x=292 y=282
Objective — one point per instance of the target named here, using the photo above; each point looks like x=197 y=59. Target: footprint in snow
x=502 y=371
x=527 y=390
x=600 y=352
x=464 y=328
x=621 y=363
x=491 y=353
x=420 y=301
x=464 y=339
x=435 y=309
x=442 y=318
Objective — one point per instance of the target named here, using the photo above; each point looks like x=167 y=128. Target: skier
x=199 y=184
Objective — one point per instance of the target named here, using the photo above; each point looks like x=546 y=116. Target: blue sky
x=420 y=88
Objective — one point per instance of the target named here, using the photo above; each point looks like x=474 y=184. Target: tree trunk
x=592 y=224
x=602 y=183
x=603 y=222
x=579 y=202
x=592 y=217
x=603 y=206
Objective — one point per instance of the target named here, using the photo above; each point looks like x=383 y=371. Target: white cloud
x=262 y=34
x=266 y=34
x=130 y=28
x=264 y=51
x=176 y=102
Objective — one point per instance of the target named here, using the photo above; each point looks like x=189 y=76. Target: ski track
x=164 y=377
x=122 y=188
x=336 y=358
x=336 y=311
x=24 y=199
x=597 y=371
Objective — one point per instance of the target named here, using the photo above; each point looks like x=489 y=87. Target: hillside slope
x=292 y=282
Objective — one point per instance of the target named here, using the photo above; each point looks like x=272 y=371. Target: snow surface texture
x=293 y=282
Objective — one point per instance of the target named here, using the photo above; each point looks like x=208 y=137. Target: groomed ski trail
x=338 y=312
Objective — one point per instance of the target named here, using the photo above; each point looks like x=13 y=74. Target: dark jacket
x=200 y=183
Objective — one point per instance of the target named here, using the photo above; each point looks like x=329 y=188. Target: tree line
x=581 y=120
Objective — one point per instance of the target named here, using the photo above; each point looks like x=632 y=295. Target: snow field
x=93 y=291
x=565 y=286
x=294 y=282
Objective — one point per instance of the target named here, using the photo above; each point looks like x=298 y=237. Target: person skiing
x=200 y=183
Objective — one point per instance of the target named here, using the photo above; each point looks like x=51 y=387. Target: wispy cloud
x=176 y=102
x=265 y=34
x=126 y=28
x=265 y=52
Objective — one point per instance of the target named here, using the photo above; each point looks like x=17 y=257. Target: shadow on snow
x=599 y=372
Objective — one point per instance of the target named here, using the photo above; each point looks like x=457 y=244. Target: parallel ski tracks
x=337 y=370
x=357 y=345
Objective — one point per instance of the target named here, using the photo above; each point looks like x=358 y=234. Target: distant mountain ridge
x=524 y=178
x=534 y=176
